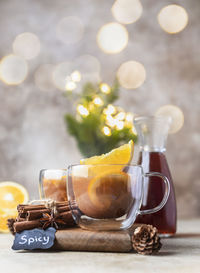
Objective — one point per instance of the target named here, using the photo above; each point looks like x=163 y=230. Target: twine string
x=48 y=203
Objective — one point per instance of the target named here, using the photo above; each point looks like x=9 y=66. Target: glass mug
x=109 y=197
x=53 y=184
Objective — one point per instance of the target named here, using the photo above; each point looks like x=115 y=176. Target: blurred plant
x=98 y=126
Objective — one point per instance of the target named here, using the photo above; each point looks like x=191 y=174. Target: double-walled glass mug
x=109 y=197
x=53 y=184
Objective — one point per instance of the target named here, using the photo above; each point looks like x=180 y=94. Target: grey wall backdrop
x=32 y=130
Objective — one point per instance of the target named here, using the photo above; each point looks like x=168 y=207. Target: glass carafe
x=152 y=133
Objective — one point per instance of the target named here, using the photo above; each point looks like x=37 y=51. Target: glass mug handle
x=165 y=197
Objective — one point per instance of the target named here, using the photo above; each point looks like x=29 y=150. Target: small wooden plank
x=77 y=239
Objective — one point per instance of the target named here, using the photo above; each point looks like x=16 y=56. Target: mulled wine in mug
x=109 y=197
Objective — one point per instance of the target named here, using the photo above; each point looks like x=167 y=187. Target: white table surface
x=180 y=254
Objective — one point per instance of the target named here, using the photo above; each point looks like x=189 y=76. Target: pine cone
x=145 y=240
x=10 y=223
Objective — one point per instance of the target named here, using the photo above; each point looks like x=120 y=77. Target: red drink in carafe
x=165 y=219
x=152 y=132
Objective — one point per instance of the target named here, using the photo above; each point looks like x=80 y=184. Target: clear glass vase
x=152 y=133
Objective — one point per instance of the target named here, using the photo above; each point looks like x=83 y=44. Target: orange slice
x=11 y=194
x=108 y=190
x=122 y=155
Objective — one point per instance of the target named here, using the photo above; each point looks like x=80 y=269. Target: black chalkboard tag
x=34 y=239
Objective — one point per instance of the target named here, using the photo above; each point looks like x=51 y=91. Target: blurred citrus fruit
x=3 y=220
x=11 y=194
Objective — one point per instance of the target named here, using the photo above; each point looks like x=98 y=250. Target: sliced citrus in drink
x=111 y=161
x=110 y=193
x=106 y=182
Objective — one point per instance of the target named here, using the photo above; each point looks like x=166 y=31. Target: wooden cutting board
x=77 y=239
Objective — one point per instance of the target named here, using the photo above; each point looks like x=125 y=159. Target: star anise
x=51 y=221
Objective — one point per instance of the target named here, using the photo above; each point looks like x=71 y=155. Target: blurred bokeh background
x=50 y=47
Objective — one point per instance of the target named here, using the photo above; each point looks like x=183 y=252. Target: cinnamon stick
x=63 y=208
x=66 y=216
x=25 y=208
x=36 y=214
x=20 y=226
x=19 y=219
x=30 y=216
x=22 y=215
x=62 y=203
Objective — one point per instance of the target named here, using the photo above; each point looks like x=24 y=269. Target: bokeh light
x=173 y=18
x=61 y=74
x=70 y=85
x=110 y=110
x=131 y=74
x=83 y=111
x=119 y=124
x=110 y=121
x=13 y=69
x=129 y=117
x=26 y=45
x=112 y=38
x=43 y=77
x=106 y=130
x=120 y=116
x=127 y=11
x=105 y=88
x=117 y=118
x=76 y=76
x=70 y=30
x=98 y=101
x=176 y=114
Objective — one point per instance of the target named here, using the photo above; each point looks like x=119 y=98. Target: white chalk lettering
x=40 y=239
x=37 y=240
x=30 y=240
x=46 y=240
x=24 y=240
